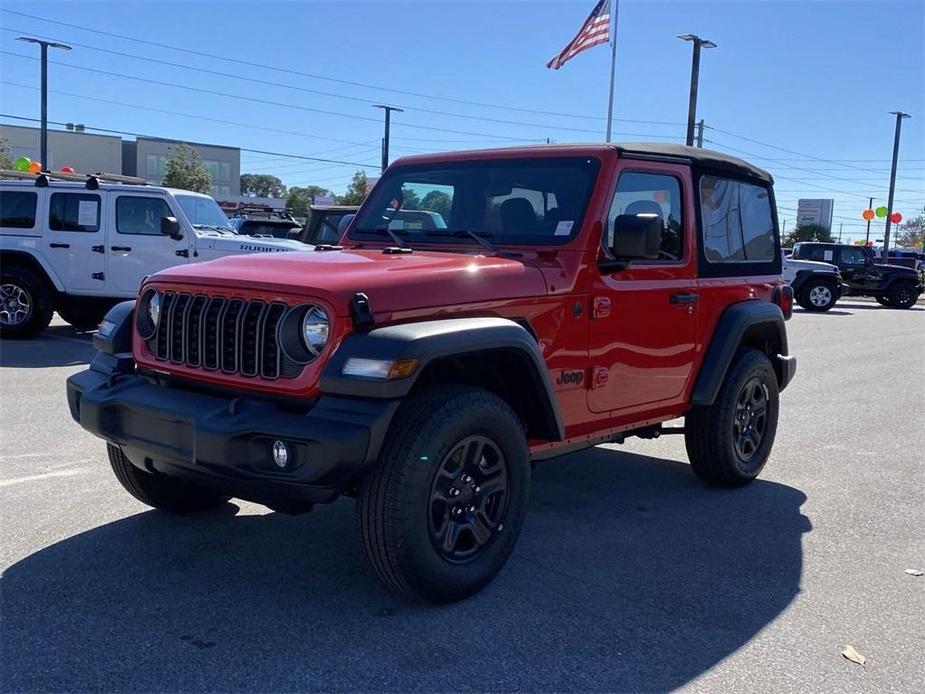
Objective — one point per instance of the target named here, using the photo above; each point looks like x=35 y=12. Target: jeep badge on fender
x=403 y=366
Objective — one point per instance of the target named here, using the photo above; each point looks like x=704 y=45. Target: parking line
x=33 y=478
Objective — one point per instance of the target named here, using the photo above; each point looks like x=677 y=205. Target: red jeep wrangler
x=559 y=297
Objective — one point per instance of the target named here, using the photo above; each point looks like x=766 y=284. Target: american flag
x=594 y=32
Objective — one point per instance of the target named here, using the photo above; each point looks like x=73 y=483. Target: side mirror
x=635 y=237
x=171 y=227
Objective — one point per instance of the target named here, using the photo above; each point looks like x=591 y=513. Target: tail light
x=783 y=297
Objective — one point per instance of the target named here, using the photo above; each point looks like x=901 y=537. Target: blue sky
x=801 y=88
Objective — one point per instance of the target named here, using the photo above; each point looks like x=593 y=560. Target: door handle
x=690 y=298
x=96 y=249
x=59 y=245
x=120 y=248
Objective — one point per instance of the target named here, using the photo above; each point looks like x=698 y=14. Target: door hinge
x=98 y=275
x=96 y=249
x=600 y=307
x=183 y=253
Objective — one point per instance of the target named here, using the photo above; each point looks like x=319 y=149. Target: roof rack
x=92 y=181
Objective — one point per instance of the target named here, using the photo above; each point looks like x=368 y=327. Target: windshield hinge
x=361 y=312
x=397 y=250
x=183 y=253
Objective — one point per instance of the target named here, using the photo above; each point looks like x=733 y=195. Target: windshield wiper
x=478 y=237
x=385 y=231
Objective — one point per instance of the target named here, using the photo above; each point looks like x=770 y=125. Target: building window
x=17 y=209
x=225 y=170
x=74 y=212
x=221 y=190
x=139 y=215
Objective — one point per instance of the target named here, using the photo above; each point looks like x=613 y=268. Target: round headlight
x=315 y=329
x=154 y=309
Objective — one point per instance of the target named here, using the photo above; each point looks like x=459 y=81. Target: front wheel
x=25 y=304
x=902 y=295
x=818 y=295
x=729 y=442
x=160 y=491
x=440 y=513
x=883 y=301
x=83 y=318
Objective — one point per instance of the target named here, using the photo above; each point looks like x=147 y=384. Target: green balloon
x=881 y=211
x=22 y=164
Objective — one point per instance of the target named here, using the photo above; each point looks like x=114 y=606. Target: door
x=135 y=246
x=858 y=269
x=74 y=244
x=643 y=319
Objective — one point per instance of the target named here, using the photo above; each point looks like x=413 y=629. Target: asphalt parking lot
x=630 y=575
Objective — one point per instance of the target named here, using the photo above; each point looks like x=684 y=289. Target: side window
x=140 y=215
x=74 y=212
x=650 y=194
x=737 y=221
x=852 y=256
x=17 y=209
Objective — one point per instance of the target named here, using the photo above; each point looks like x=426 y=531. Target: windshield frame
x=593 y=164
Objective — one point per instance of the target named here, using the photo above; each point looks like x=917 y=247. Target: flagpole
x=613 y=64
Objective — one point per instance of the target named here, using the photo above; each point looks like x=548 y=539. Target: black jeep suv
x=891 y=285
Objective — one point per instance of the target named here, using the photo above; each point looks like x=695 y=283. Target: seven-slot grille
x=216 y=333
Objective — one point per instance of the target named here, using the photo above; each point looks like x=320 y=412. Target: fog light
x=280 y=454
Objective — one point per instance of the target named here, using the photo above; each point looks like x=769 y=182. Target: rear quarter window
x=17 y=209
x=737 y=222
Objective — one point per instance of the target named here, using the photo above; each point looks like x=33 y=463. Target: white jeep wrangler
x=816 y=286
x=78 y=244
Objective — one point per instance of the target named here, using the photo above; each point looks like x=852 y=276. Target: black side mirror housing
x=171 y=227
x=635 y=237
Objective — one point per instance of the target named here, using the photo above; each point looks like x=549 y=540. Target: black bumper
x=226 y=443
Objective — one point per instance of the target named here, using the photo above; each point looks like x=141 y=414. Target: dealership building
x=145 y=157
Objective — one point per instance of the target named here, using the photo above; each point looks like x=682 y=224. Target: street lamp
x=45 y=45
x=889 y=205
x=695 y=78
x=385 y=139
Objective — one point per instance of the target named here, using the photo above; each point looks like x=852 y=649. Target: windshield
x=203 y=212
x=530 y=202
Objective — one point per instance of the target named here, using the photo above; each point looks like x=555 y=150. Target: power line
x=352 y=83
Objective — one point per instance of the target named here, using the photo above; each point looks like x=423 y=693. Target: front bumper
x=226 y=443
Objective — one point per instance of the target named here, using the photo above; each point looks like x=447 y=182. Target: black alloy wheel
x=750 y=419
x=468 y=499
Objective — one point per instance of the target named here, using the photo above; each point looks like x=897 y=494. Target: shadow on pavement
x=59 y=345
x=630 y=575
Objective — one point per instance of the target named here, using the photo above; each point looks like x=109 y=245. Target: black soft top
x=702 y=158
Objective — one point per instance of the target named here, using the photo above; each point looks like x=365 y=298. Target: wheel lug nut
x=454 y=491
x=471 y=509
x=477 y=489
x=457 y=511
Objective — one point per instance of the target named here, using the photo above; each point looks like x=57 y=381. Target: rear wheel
x=440 y=513
x=160 y=491
x=818 y=294
x=729 y=442
x=902 y=295
x=25 y=305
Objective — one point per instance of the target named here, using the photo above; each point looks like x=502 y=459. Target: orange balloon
x=35 y=167
x=868 y=214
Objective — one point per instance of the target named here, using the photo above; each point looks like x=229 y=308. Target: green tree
x=439 y=202
x=356 y=191
x=912 y=233
x=6 y=159
x=807 y=232
x=410 y=200
x=300 y=198
x=262 y=186
x=186 y=171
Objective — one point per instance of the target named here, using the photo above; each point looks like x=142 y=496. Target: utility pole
x=44 y=131
x=889 y=205
x=870 y=206
x=385 y=138
x=695 y=80
x=840 y=226
x=700 y=133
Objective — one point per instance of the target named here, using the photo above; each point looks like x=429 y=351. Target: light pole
x=870 y=206
x=44 y=133
x=695 y=79
x=385 y=138
x=889 y=204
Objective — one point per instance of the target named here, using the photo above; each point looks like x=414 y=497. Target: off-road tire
x=83 y=318
x=883 y=301
x=160 y=491
x=814 y=291
x=902 y=295
x=395 y=504
x=710 y=430
x=25 y=283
